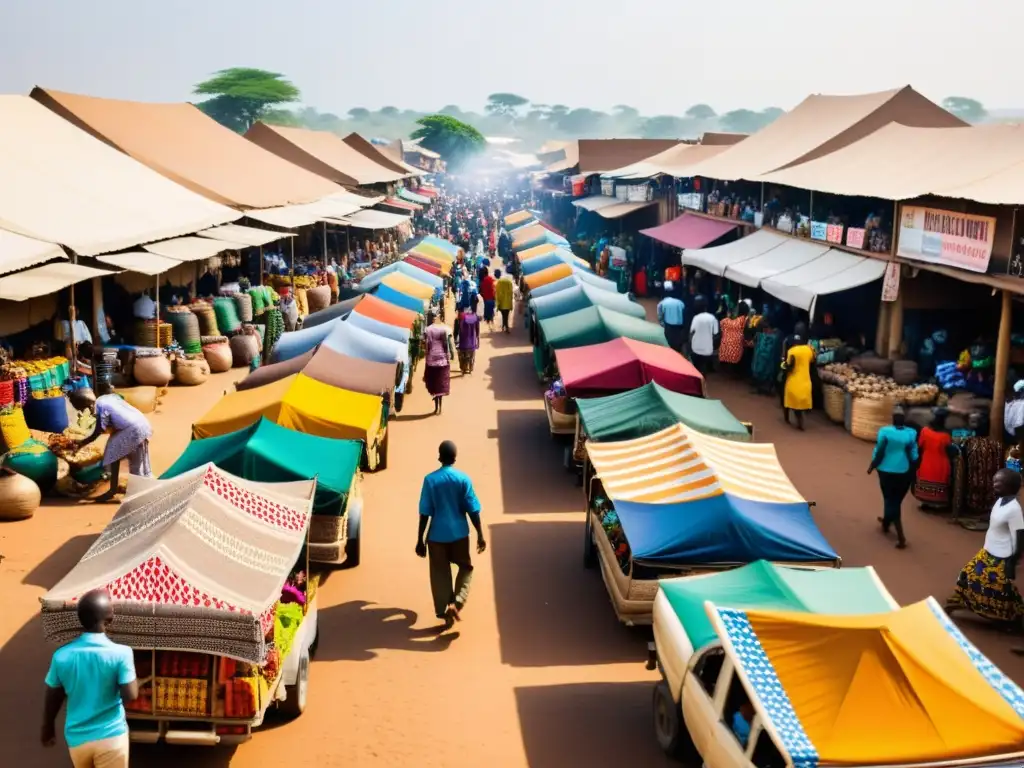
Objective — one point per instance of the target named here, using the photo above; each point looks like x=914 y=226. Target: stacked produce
x=557 y=398
x=875 y=387
x=43 y=374
x=613 y=530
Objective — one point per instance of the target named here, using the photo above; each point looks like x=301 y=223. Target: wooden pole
x=1002 y=367
x=291 y=272
x=896 y=327
x=325 y=242
x=882 y=330
x=72 y=316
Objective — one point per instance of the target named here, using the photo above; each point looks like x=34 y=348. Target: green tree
x=665 y=127
x=747 y=120
x=284 y=117
x=701 y=112
x=583 y=123
x=241 y=95
x=389 y=111
x=359 y=113
x=453 y=139
x=966 y=109
x=505 y=104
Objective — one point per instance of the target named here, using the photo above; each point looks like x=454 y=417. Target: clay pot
x=152 y=371
x=19 y=496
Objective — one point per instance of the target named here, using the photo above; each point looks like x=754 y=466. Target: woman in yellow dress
x=797 y=397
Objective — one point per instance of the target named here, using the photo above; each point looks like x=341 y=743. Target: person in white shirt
x=703 y=336
x=985 y=585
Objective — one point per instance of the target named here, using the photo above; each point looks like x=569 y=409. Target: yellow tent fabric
x=408 y=285
x=549 y=275
x=439 y=253
x=537 y=250
x=885 y=688
x=526 y=234
x=515 y=218
x=300 y=403
x=442 y=262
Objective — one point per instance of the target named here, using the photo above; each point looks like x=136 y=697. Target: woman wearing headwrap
x=937 y=451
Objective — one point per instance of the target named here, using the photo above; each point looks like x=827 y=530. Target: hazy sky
x=660 y=56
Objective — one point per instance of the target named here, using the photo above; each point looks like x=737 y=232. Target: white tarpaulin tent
x=596 y=203
x=291 y=216
x=45 y=280
x=622 y=209
x=790 y=255
x=832 y=272
x=191 y=248
x=236 y=233
x=372 y=219
x=62 y=185
x=142 y=262
x=18 y=252
x=716 y=260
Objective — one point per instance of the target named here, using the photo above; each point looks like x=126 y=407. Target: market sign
x=834 y=234
x=691 y=201
x=819 y=230
x=891 y=282
x=1015 y=267
x=855 y=237
x=961 y=240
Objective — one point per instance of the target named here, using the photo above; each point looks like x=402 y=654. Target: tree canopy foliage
x=453 y=139
x=966 y=109
x=240 y=96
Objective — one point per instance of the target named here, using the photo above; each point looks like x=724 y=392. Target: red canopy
x=623 y=364
x=689 y=231
x=394 y=202
x=427 y=192
x=425 y=264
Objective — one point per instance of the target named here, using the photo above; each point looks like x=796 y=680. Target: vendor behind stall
x=130 y=439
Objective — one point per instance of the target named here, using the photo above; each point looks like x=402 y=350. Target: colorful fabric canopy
x=545 y=236
x=549 y=275
x=526 y=234
x=435 y=251
x=903 y=687
x=425 y=264
x=330 y=367
x=445 y=245
x=553 y=258
x=292 y=344
x=519 y=225
x=300 y=403
x=332 y=312
x=357 y=342
x=539 y=250
x=268 y=374
x=192 y=563
x=408 y=286
x=399 y=298
x=580 y=297
x=273 y=454
x=388 y=331
x=518 y=217
x=596 y=325
x=623 y=364
x=690 y=231
x=652 y=408
x=385 y=312
x=580 y=277
x=679 y=464
x=412 y=197
x=404 y=268
x=762 y=585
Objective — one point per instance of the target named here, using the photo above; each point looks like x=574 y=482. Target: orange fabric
x=549 y=275
x=386 y=312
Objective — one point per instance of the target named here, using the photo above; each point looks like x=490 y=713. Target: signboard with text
x=834 y=234
x=1015 y=266
x=961 y=240
x=855 y=237
x=692 y=201
x=819 y=230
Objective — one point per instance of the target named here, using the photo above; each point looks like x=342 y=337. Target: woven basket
x=327 y=529
x=244 y=349
x=835 y=402
x=904 y=372
x=880 y=366
x=146 y=334
x=318 y=298
x=227 y=314
x=190 y=373
x=868 y=415
x=207 y=318
x=153 y=371
x=186 y=329
x=243 y=303
x=218 y=356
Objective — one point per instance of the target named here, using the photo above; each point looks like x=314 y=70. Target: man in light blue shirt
x=672 y=316
x=96 y=676
x=446 y=500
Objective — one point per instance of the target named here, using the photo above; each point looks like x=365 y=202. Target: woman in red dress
x=730 y=351
x=935 y=445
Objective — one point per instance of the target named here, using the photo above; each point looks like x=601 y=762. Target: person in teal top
x=96 y=676
x=446 y=500
x=895 y=457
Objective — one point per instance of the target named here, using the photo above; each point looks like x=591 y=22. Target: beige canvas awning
x=18 y=252
x=603 y=155
x=236 y=233
x=820 y=125
x=622 y=209
x=45 y=280
x=192 y=248
x=789 y=255
x=62 y=185
x=596 y=202
x=293 y=216
x=717 y=260
x=366 y=149
x=372 y=219
x=675 y=161
x=140 y=261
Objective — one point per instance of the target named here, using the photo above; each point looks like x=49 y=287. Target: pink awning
x=689 y=231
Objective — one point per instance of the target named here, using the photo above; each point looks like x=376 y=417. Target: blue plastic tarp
x=547 y=237
x=521 y=224
x=722 y=529
x=295 y=343
x=386 y=330
x=353 y=341
x=399 y=299
x=372 y=280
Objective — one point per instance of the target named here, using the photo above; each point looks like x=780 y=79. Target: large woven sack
x=226 y=312
x=904 y=372
x=190 y=373
x=19 y=496
x=290 y=313
x=870 y=363
x=153 y=371
x=207 y=318
x=244 y=349
x=186 y=329
x=243 y=302
x=144 y=399
x=218 y=356
x=318 y=298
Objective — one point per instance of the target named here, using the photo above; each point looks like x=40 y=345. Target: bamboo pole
x=72 y=317
x=896 y=326
x=291 y=272
x=1002 y=366
x=325 y=241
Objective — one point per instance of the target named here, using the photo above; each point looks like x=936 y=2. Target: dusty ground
x=540 y=673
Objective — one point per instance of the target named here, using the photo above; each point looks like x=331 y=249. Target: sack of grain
x=189 y=373
x=152 y=371
x=904 y=372
x=145 y=399
x=244 y=349
x=318 y=298
x=218 y=356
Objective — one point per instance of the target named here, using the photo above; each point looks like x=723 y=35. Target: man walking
x=504 y=296
x=95 y=676
x=704 y=332
x=446 y=500
x=672 y=316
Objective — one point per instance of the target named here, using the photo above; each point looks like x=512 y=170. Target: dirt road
x=539 y=673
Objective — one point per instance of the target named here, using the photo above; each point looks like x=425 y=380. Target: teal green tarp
x=580 y=297
x=594 y=325
x=269 y=453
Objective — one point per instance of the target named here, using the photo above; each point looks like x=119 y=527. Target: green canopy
x=580 y=297
x=595 y=325
x=651 y=408
x=764 y=586
x=267 y=452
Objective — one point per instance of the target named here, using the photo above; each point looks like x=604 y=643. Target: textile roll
x=152 y=370
x=186 y=330
x=47 y=414
x=243 y=303
x=207 y=319
x=13 y=428
x=189 y=373
x=244 y=349
x=218 y=356
x=318 y=298
x=300 y=300
x=19 y=496
x=227 y=314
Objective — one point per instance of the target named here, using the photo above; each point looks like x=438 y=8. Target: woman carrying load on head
x=437 y=369
x=129 y=439
x=469 y=336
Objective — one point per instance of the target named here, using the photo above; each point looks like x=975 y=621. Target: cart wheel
x=295 y=701
x=589 y=555
x=669 y=728
x=355 y=523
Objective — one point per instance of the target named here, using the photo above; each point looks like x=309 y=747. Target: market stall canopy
x=651 y=408
x=409 y=286
x=690 y=231
x=976 y=163
x=540 y=239
x=143 y=262
x=791 y=255
x=194 y=563
x=512 y=228
x=580 y=297
x=355 y=374
x=18 y=252
x=326 y=209
x=62 y=185
x=321 y=152
x=563 y=158
x=268 y=374
x=412 y=197
x=332 y=312
x=680 y=464
x=387 y=330
x=393 y=152
x=518 y=217
x=425 y=264
x=819 y=125
x=402 y=205
x=268 y=453
x=537 y=250
x=434 y=253
x=445 y=245
x=623 y=364
x=44 y=280
x=909 y=678
x=191 y=149
x=832 y=272
x=251 y=236
x=553 y=258
x=369 y=151
x=192 y=248
x=386 y=312
x=579 y=277
x=674 y=161
x=524 y=236
x=624 y=209
x=596 y=325
x=349 y=340
x=717 y=259
x=295 y=343
x=603 y=155
x=595 y=202
x=367 y=219
x=300 y=403
x=405 y=268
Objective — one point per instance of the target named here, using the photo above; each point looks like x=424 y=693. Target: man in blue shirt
x=446 y=500
x=672 y=316
x=96 y=676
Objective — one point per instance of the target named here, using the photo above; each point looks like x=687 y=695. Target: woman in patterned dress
x=730 y=350
x=129 y=439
